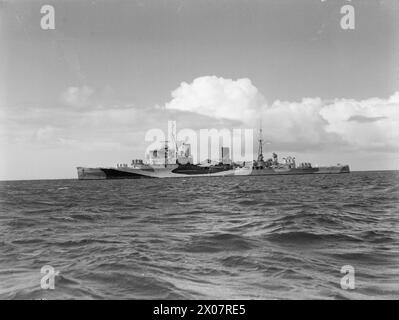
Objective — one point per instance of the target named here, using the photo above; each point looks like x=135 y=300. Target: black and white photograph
x=199 y=150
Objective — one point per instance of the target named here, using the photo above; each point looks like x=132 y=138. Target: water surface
x=275 y=237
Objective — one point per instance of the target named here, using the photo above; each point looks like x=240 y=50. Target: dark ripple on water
x=238 y=237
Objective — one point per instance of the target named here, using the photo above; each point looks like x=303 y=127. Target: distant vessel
x=166 y=163
x=273 y=167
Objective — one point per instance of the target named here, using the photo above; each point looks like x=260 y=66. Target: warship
x=178 y=162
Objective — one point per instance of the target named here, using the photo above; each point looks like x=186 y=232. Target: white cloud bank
x=371 y=123
x=367 y=124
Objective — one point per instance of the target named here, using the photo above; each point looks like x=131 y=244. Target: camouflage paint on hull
x=172 y=171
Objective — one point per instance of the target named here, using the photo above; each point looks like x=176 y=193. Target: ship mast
x=172 y=136
x=260 y=150
x=166 y=150
x=174 y=141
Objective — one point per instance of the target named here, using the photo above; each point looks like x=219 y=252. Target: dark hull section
x=191 y=169
x=107 y=173
x=117 y=174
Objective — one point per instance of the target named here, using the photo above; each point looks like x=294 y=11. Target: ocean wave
x=309 y=237
x=219 y=242
x=82 y=242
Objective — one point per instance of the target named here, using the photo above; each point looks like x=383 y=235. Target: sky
x=86 y=93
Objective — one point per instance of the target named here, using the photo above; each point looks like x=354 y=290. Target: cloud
x=382 y=132
x=218 y=98
x=296 y=125
x=364 y=119
x=77 y=97
x=46 y=133
x=310 y=123
x=89 y=128
x=208 y=102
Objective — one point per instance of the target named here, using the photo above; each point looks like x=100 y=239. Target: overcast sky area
x=86 y=93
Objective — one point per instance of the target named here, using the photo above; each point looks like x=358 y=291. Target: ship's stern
x=90 y=173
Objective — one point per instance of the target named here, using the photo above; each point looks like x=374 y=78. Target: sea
x=246 y=237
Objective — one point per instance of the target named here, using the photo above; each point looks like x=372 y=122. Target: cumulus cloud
x=309 y=123
x=381 y=132
x=218 y=97
x=78 y=97
x=296 y=124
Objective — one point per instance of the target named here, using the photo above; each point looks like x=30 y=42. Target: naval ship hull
x=169 y=171
x=291 y=171
x=172 y=171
